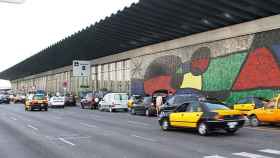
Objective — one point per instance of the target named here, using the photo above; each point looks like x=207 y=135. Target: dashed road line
x=88 y=125
x=270 y=151
x=32 y=127
x=250 y=155
x=13 y=118
x=143 y=138
x=66 y=141
x=214 y=156
x=138 y=123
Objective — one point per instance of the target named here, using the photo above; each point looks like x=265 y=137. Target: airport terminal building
x=224 y=49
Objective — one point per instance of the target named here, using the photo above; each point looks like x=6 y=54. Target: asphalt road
x=76 y=133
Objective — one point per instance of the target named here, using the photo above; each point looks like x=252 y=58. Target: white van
x=114 y=101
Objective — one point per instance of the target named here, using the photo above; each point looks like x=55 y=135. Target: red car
x=89 y=101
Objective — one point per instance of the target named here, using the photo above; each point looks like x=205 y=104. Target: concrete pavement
x=76 y=133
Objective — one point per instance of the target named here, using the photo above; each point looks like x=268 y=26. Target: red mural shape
x=201 y=64
x=158 y=83
x=260 y=70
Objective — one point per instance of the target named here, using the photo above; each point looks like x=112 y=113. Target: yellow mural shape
x=191 y=81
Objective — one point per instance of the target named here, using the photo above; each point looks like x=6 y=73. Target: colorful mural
x=230 y=77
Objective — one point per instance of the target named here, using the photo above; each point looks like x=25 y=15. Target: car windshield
x=121 y=97
x=215 y=106
x=39 y=97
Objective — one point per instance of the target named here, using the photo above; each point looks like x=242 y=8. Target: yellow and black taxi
x=205 y=116
x=37 y=101
x=249 y=103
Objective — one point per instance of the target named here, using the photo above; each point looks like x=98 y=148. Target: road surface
x=77 y=133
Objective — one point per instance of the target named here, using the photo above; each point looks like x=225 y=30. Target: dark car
x=176 y=100
x=89 y=101
x=144 y=107
x=4 y=99
x=70 y=100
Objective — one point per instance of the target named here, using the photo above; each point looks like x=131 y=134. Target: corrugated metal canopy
x=145 y=23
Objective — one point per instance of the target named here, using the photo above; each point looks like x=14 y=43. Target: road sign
x=65 y=84
x=81 y=68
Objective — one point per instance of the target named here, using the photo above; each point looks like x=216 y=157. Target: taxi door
x=176 y=118
x=192 y=115
x=269 y=112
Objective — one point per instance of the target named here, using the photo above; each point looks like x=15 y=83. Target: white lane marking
x=270 y=151
x=12 y=118
x=250 y=155
x=32 y=127
x=138 y=123
x=57 y=118
x=214 y=156
x=74 y=138
x=143 y=138
x=66 y=141
x=88 y=125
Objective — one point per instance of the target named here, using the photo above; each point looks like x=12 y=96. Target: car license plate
x=232 y=124
x=42 y=104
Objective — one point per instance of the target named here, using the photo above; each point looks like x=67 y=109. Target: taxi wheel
x=254 y=121
x=202 y=129
x=165 y=125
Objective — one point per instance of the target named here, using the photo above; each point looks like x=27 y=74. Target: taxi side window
x=182 y=108
x=244 y=101
x=270 y=104
x=194 y=107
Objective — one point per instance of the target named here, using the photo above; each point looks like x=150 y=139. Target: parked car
x=4 y=99
x=144 y=106
x=36 y=101
x=204 y=116
x=18 y=98
x=89 y=101
x=57 y=101
x=249 y=103
x=270 y=113
x=113 y=102
x=176 y=100
x=133 y=99
x=70 y=100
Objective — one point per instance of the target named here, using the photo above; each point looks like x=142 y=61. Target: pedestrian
x=158 y=104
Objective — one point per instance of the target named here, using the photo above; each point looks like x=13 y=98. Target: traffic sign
x=81 y=68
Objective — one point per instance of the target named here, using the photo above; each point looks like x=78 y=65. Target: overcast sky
x=32 y=26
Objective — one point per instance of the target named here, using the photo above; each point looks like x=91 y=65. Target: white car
x=57 y=102
x=113 y=102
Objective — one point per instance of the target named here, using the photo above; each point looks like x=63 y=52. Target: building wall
x=229 y=63
x=228 y=69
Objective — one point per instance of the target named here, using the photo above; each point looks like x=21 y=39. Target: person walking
x=158 y=104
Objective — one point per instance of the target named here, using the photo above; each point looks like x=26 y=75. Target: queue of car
x=185 y=110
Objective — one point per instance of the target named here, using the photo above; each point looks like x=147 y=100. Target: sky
x=34 y=25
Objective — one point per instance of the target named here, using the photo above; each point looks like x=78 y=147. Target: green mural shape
x=264 y=93
x=222 y=72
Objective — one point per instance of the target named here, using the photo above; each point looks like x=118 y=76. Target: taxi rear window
x=39 y=97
